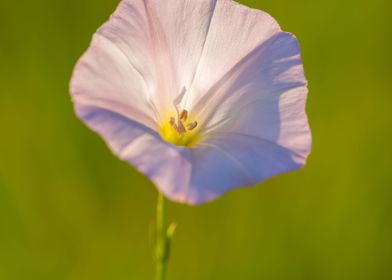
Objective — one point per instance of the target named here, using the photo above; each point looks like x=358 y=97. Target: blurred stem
x=163 y=238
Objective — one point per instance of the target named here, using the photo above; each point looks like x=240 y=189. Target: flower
x=202 y=96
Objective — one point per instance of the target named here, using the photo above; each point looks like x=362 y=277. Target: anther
x=192 y=125
x=173 y=124
x=178 y=124
x=180 y=128
x=184 y=115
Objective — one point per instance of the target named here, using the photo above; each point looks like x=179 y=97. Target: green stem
x=162 y=239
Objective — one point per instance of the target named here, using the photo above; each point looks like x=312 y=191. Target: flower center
x=180 y=131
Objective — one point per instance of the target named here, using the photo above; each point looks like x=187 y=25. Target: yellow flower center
x=180 y=131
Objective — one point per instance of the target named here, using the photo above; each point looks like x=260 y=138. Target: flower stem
x=164 y=234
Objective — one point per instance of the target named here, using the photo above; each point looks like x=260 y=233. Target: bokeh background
x=71 y=210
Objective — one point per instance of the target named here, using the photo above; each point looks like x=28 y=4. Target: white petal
x=235 y=31
x=228 y=161
x=138 y=36
x=223 y=162
x=168 y=166
x=105 y=79
x=163 y=40
x=264 y=96
x=185 y=24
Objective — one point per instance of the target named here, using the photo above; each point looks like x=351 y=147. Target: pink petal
x=235 y=30
x=163 y=41
x=227 y=161
x=103 y=78
x=184 y=25
x=168 y=166
x=264 y=96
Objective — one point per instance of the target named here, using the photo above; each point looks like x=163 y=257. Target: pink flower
x=202 y=96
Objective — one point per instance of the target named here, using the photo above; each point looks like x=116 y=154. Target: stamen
x=184 y=115
x=180 y=128
x=173 y=124
x=192 y=125
x=180 y=124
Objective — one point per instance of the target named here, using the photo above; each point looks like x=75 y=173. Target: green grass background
x=71 y=210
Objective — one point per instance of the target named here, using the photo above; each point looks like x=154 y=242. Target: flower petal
x=139 y=37
x=185 y=25
x=105 y=79
x=168 y=166
x=227 y=161
x=263 y=96
x=163 y=41
x=194 y=176
x=235 y=30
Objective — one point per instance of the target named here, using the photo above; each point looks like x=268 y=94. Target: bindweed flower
x=202 y=96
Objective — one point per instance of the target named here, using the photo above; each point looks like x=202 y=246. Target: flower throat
x=180 y=131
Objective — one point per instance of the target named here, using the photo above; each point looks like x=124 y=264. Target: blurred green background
x=71 y=210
